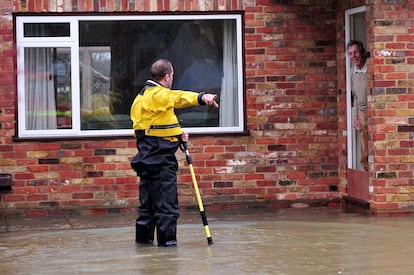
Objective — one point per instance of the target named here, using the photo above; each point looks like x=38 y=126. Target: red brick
x=70 y=175
x=129 y=194
x=131 y=187
x=384 y=206
x=89 y=203
x=82 y=196
x=112 y=187
x=92 y=188
x=266 y=183
x=123 y=180
x=83 y=153
x=26 y=176
x=38 y=168
x=12 y=198
x=104 y=181
x=256 y=176
x=67 y=188
x=107 y=166
x=40 y=197
x=214 y=149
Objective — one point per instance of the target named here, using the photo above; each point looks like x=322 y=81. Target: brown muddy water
x=300 y=241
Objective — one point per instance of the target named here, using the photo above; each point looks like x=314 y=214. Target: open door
x=357 y=177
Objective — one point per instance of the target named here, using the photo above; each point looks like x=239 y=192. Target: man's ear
x=167 y=77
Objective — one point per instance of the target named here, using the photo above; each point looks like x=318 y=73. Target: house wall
x=390 y=37
x=391 y=105
x=289 y=158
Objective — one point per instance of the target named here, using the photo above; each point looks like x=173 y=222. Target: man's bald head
x=160 y=68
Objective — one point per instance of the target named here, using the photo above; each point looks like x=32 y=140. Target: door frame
x=351 y=140
x=358 y=190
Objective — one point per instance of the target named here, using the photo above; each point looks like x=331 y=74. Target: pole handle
x=184 y=148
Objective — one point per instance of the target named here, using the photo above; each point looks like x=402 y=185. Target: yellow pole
x=197 y=192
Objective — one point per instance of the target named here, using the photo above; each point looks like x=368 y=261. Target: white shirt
x=362 y=70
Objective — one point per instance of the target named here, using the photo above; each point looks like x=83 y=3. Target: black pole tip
x=210 y=240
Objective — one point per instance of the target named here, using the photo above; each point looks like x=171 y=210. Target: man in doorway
x=158 y=134
x=358 y=57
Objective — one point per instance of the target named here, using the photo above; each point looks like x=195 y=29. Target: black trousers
x=156 y=165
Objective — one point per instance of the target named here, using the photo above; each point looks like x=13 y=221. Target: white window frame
x=72 y=42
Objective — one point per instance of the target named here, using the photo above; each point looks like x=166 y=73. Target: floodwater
x=295 y=241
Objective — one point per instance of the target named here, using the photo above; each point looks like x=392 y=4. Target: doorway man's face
x=355 y=56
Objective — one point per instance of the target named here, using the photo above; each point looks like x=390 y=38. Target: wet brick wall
x=390 y=105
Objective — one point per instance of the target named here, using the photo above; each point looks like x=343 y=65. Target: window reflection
x=203 y=53
x=48 y=29
x=113 y=55
x=47 y=88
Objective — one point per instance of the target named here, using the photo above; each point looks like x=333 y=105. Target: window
x=78 y=75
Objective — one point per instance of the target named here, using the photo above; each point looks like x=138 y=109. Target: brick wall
x=290 y=157
x=341 y=97
x=390 y=40
x=392 y=105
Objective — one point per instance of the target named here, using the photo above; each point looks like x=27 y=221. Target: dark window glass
x=84 y=84
x=46 y=29
x=116 y=57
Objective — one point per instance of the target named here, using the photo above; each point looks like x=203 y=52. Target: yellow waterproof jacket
x=153 y=109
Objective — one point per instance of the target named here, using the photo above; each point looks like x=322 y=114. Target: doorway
x=357 y=177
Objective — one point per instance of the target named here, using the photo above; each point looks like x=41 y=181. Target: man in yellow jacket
x=158 y=134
